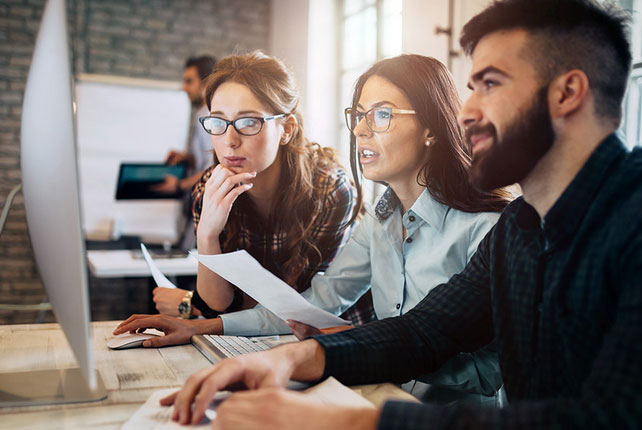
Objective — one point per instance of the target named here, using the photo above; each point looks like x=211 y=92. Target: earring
x=428 y=142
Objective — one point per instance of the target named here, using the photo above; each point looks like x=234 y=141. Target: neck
x=263 y=193
x=407 y=190
x=556 y=169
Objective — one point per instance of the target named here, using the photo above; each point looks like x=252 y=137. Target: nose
x=232 y=137
x=362 y=129
x=470 y=113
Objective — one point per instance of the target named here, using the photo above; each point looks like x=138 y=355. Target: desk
x=119 y=263
x=130 y=376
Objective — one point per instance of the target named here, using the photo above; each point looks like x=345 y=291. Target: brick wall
x=135 y=38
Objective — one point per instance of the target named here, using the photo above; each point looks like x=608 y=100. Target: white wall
x=289 y=37
x=421 y=18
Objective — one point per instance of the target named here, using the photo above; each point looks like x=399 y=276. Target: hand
x=177 y=331
x=168 y=299
x=221 y=191
x=303 y=331
x=267 y=369
x=175 y=157
x=279 y=409
x=170 y=185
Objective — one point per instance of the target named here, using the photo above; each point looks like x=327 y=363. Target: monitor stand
x=48 y=387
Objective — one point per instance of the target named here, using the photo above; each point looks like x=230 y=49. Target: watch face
x=183 y=308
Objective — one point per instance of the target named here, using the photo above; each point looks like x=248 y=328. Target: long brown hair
x=432 y=93
x=301 y=160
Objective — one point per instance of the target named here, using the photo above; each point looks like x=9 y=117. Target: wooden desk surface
x=130 y=376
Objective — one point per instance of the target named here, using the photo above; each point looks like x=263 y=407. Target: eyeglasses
x=377 y=118
x=247 y=126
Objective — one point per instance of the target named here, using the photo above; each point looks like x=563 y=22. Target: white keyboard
x=231 y=346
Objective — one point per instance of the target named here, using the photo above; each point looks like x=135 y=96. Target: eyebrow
x=381 y=103
x=480 y=75
x=244 y=112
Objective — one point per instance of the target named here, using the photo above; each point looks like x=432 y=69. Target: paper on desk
x=153 y=416
x=160 y=279
x=242 y=270
x=333 y=393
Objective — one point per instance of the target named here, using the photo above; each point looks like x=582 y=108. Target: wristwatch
x=185 y=306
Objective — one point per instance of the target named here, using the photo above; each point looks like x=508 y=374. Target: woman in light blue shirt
x=423 y=229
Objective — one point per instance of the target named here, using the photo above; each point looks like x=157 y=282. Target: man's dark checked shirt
x=562 y=298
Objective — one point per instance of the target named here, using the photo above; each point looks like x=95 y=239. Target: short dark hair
x=204 y=64
x=565 y=35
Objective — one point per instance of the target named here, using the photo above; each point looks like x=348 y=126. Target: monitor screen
x=137 y=180
x=51 y=198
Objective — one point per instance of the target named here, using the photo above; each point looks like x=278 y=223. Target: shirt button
x=398 y=306
x=409 y=240
x=411 y=218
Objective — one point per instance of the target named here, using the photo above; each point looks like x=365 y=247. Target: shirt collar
x=563 y=219
x=426 y=207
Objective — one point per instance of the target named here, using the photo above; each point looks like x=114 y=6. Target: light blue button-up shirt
x=440 y=241
x=401 y=272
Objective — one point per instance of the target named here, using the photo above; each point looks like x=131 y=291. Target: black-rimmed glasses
x=377 y=118
x=247 y=126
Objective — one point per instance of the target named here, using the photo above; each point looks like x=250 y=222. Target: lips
x=477 y=139
x=367 y=155
x=234 y=161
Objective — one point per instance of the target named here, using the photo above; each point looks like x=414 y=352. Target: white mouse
x=129 y=340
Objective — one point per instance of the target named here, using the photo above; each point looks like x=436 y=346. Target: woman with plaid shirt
x=271 y=191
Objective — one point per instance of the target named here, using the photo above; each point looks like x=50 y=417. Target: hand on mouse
x=177 y=331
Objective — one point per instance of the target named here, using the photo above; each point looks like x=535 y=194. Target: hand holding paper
x=242 y=270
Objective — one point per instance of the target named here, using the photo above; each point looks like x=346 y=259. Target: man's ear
x=290 y=125
x=568 y=93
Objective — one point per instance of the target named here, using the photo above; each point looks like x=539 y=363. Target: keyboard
x=232 y=346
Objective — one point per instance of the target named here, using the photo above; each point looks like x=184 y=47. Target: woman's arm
x=214 y=197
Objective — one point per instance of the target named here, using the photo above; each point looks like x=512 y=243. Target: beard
x=512 y=158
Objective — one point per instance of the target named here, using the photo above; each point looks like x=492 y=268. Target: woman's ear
x=290 y=125
x=429 y=138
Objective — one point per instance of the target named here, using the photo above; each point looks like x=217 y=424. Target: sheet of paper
x=242 y=270
x=160 y=279
x=153 y=416
x=333 y=393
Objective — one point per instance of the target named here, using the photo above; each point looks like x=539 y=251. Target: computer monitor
x=51 y=195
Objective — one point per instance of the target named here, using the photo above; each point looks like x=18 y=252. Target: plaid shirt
x=329 y=232
x=563 y=300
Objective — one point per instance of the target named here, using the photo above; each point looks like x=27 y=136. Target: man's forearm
x=307 y=358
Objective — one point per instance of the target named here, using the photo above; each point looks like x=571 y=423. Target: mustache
x=479 y=129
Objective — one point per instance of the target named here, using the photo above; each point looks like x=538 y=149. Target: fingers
x=223 y=180
x=167 y=340
x=169 y=400
x=123 y=327
x=301 y=330
x=136 y=322
x=184 y=398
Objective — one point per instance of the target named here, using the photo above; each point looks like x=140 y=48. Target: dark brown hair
x=301 y=160
x=566 y=35
x=432 y=93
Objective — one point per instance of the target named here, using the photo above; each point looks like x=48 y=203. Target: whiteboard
x=127 y=120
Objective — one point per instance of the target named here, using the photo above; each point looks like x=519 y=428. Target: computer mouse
x=129 y=340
